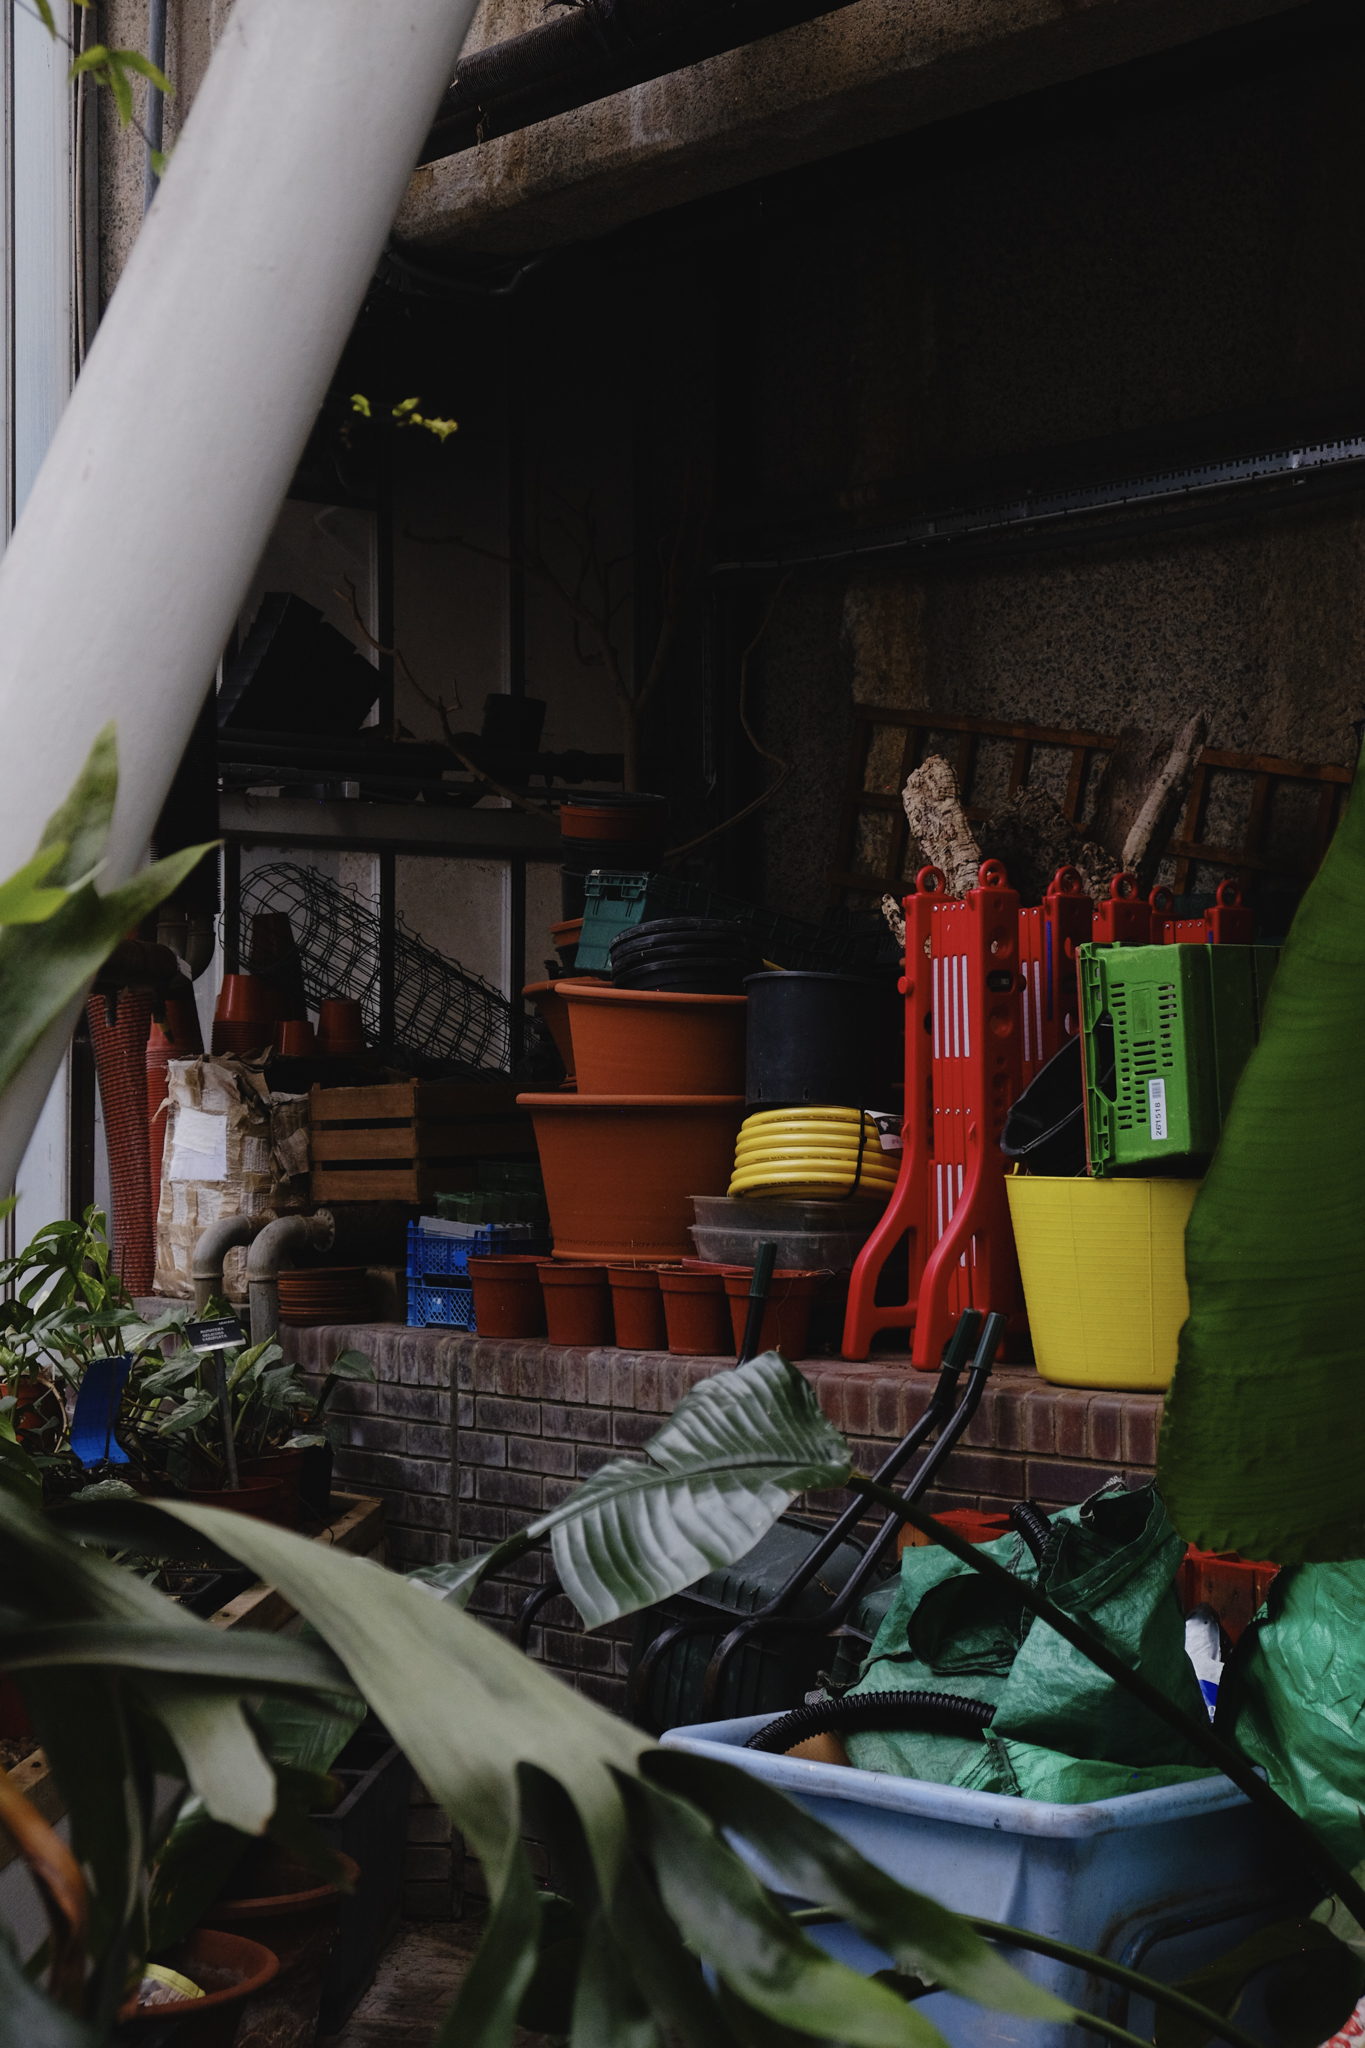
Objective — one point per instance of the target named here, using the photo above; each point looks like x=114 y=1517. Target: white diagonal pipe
x=140 y=535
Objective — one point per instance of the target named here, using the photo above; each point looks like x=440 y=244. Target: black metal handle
x=758 y=1299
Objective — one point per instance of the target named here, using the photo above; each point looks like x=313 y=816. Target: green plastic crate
x=1184 y=1021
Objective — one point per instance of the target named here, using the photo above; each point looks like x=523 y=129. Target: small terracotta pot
x=637 y=1308
x=565 y=936
x=695 y=1312
x=786 y=1315
x=631 y=1041
x=340 y=1021
x=644 y=823
x=257 y=1497
x=246 y=999
x=283 y=1905
x=287 y=1468
x=243 y=1041
x=508 y=1301
x=296 y=1039
x=228 y=1968
x=577 y=1303
x=621 y=1170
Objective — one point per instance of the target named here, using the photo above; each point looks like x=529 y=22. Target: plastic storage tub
x=1103 y=1267
x=1160 y=1881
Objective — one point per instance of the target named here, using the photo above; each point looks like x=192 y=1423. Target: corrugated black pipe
x=597 y=48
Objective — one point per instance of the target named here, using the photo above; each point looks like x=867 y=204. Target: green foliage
x=121 y=1684
x=405 y=414
x=1263 y=1436
x=45 y=966
x=176 y=1402
x=713 y=1480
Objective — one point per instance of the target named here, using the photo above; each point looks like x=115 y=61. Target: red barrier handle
x=1122 y=887
x=1229 y=895
x=991 y=875
x=1066 y=882
x=931 y=882
x=1162 y=900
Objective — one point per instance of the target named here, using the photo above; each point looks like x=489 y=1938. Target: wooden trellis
x=1266 y=772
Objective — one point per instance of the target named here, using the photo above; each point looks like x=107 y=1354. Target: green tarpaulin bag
x=1292 y=1699
x=1062 y=1729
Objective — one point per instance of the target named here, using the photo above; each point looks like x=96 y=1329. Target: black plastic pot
x=822 y=1038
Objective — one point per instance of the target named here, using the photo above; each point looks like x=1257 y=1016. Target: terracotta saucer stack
x=324 y=1294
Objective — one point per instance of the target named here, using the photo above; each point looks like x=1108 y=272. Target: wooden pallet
x=405 y=1141
x=1186 y=847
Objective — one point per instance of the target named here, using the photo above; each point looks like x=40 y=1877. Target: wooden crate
x=404 y=1141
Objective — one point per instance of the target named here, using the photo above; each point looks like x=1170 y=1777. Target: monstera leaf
x=1264 y=1435
x=712 y=1481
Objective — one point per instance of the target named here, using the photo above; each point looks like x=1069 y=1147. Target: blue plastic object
x=451 y=1307
x=97 y=1405
x=1162 y=1881
x=433 y=1255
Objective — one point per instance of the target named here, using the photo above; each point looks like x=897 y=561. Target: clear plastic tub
x=810 y=1236
x=1162 y=1881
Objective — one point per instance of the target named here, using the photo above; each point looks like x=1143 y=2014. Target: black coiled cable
x=1034 y=1526
x=939 y=1713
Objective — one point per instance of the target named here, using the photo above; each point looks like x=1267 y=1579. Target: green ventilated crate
x=1166 y=1031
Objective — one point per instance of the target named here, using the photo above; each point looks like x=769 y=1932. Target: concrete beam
x=875 y=69
x=358 y=826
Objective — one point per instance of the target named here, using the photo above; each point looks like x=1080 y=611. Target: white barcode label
x=1156 y=1107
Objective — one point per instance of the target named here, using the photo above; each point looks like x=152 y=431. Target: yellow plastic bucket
x=1103 y=1266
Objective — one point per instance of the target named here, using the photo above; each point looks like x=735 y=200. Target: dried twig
x=438 y=706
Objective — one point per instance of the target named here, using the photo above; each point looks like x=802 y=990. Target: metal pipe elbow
x=276 y=1246
x=213 y=1246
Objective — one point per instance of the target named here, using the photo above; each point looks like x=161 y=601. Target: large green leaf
x=44 y=966
x=1264 y=1434
x=27 y=2019
x=712 y=1481
x=245 y=1661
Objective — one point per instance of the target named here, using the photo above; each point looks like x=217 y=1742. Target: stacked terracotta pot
x=650 y=1123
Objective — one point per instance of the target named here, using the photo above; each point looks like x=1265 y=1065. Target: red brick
x=829 y=1388
x=648 y=1372
x=622 y=1380
x=575 y=1369
x=534 y=1454
x=551 y=1374
x=576 y=1425
x=599 y=1379
x=1070 y=1416
x=1007 y=1412
x=886 y=1407
x=1051 y=1480
x=1040 y=1420
x=632 y=1431
x=1106 y=1429
x=1141 y=1422
x=494 y=1411
x=673 y=1383
x=995 y=1473
x=480 y=1449
x=513 y=1489
x=916 y=1392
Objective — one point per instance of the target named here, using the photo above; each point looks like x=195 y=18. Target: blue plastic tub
x=1162 y=1881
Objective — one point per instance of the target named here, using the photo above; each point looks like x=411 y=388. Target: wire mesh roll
x=441 y=1011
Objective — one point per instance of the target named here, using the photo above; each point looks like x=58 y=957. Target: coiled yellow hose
x=816 y=1154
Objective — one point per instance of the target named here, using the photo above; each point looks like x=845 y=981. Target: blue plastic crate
x=433 y=1255
x=452 y=1307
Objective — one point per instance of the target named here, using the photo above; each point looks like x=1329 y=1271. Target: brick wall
x=468 y=1439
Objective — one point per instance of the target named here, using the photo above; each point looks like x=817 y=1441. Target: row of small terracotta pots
x=247 y=1018
x=690 y=1307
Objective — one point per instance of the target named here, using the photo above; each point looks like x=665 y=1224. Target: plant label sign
x=219 y=1335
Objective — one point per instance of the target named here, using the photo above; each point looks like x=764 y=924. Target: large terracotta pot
x=548 y=997
x=276 y=1900
x=577 y=1303
x=228 y=1968
x=508 y=1301
x=620 y=1170
x=637 y=1308
x=786 y=1314
x=631 y=1041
